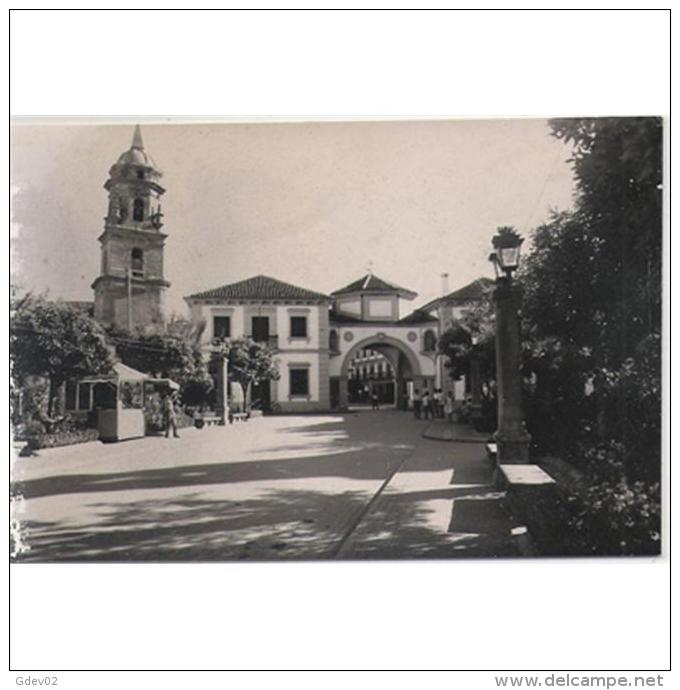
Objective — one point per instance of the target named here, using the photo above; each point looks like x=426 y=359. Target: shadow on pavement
x=271 y=522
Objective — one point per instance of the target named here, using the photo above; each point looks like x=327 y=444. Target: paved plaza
x=354 y=486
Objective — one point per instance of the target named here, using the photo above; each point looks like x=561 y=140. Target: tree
x=55 y=341
x=592 y=332
x=175 y=355
x=250 y=362
x=618 y=166
x=472 y=334
x=592 y=307
x=156 y=354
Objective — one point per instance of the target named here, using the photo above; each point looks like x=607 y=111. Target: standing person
x=465 y=410
x=437 y=403
x=417 y=401
x=448 y=406
x=170 y=415
x=375 y=404
x=427 y=405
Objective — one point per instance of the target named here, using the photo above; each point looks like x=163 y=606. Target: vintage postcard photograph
x=265 y=341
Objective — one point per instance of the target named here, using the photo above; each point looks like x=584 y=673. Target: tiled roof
x=475 y=290
x=371 y=283
x=472 y=292
x=261 y=288
x=418 y=316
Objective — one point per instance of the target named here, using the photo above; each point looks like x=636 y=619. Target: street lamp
x=505 y=257
x=511 y=436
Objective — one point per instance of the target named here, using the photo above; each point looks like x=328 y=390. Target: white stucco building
x=317 y=337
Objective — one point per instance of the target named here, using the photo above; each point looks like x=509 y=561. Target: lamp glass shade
x=508 y=258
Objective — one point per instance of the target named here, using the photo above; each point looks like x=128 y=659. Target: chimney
x=445 y=284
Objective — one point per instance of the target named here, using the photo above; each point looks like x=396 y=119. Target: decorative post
x=475 y=384
x=222 y=387
x=512 y=438
x=128 y=275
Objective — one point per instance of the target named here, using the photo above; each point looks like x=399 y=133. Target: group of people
x=432 y=406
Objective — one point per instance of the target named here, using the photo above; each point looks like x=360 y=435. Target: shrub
x=621 y=518
x=62 y=438
x=32 y=428
x=605 y=514
x=155 y=417
x=613 y=514
x=153 y=413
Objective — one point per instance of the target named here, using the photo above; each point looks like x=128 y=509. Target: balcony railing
x=270 y=340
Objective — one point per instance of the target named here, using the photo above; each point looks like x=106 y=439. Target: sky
x=313 y=204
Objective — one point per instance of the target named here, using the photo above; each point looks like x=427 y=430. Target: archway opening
x=378 y=370
x=371 y=378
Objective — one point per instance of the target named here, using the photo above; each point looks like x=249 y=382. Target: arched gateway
x=405 y=368
x=365 y=318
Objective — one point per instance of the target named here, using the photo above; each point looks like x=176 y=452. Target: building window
x=333 y=341
x=71 y=394
x=298 y=326
x=221 y=327
x=299 y=382
x=137 y=261
x=429 y=341
x=84 y=396
x=138 y=210
x=260 y=328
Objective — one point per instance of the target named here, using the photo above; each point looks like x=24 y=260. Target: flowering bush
x=62 y=438
x=604 y=514
x=615 y=515
x=619 y=518
x=153 y=413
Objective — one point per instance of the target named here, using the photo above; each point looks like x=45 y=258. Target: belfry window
x=138 y=210
x=137 y=262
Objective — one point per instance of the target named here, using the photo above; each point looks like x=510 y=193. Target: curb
x=458 y=439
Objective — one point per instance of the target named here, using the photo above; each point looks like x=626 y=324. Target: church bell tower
x=129 y=290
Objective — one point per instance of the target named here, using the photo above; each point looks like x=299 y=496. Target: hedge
x=62 y=438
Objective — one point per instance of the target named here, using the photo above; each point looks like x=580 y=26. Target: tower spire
x=137 y=142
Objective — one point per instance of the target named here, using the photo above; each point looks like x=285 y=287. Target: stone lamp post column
x=475 y=383
x=222 y=386
x=512 y=438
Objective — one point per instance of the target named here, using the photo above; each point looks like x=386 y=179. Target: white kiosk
x=118 y=400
